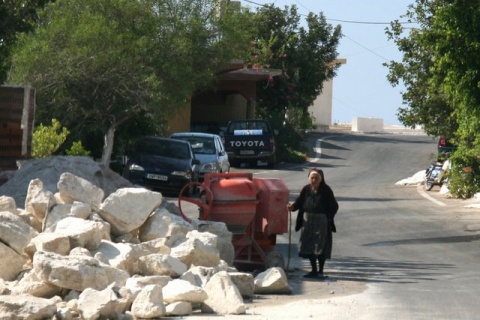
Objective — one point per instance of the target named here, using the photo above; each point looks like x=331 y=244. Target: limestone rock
x=128 y=208
x=198 y=275
x=272 y=281
x=48 y=241
x=26 y=307
x=107 y=303
x=30 y=284
x=15 y=232
x=8 y=204
x=160 y=264
x=223 y=296
x=136 y=283
x=181 y=290
x=118 y=255
x=195 y=252
x=15 y=263
x=82 y=233
x=76 y=272
x=162 y=223
x=149 y=303
x=245 y=282
x=39 y=201
x=180 y=308
x=75 y=188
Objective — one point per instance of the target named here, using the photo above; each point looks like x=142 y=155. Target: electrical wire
x=336 y=20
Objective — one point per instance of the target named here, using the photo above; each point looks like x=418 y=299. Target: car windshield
x=164 y=148
x=200 y=145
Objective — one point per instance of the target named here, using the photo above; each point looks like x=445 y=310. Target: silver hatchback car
x=209 y=149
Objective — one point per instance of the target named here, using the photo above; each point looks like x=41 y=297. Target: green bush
x=77 y=149
x=47 y=139
x=464 y=176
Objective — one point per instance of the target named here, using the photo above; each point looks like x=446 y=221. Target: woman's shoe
x=311 y=275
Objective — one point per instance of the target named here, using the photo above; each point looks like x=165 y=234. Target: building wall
x=321 y=110
x=238 y=108
x=219 y=108
x=367 y=124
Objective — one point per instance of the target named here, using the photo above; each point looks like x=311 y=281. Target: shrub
x=77 y=149
x=464 y=176
x=47 y=139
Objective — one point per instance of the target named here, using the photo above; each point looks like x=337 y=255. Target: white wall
x=321 y=109
x=367 y=124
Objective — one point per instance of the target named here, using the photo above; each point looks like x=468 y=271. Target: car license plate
x=156 y=177
x=247 y=152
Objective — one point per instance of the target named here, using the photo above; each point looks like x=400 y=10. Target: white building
x=321 y=110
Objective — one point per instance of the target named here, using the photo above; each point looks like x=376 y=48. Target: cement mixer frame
x=253 y=209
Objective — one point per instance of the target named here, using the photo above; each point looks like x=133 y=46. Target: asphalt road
x=396 y=255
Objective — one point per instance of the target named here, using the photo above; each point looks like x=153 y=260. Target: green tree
x=16 y=16
x=425 y=102
x=442 y=75
x=306 y=56
x=102 y=64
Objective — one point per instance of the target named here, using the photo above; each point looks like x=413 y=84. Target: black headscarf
x=320 y=172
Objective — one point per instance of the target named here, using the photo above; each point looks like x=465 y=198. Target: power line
x=369 y=22
x=336 y=20
x=371 y=51
x=303 y=6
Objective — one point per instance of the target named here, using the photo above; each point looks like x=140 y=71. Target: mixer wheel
x=275 y=259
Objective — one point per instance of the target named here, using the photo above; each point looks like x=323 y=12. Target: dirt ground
x=308 y=298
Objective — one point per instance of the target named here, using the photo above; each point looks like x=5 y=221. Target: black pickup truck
x=250 y=141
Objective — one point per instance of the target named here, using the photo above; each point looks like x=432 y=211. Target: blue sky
x=360 y=88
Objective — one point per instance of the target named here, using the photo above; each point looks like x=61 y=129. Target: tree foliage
x=16 y=16
x=101 y=64
x=441 y=72
x=306 y=56
x=426 y=104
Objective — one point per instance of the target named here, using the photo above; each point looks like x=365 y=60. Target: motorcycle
x=435 y=175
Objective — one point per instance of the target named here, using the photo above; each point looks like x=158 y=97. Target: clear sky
x=360 y=88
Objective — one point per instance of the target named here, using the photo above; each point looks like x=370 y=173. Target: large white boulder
x=76 y=272
x=223 y=296
x=73 y=188
x=128 y=208
x=15 y=232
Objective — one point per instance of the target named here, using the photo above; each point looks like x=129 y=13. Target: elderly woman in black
x=317 y=207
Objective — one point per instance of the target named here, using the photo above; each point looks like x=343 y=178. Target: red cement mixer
x=254 y=210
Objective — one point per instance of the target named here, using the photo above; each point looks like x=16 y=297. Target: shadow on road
x=453 y=239
x=372 y=270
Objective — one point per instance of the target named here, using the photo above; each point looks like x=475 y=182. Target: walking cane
x=289 y=237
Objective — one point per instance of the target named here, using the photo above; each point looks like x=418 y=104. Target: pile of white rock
x=75 y=255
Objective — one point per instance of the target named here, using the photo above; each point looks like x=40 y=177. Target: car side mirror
x=196 y=161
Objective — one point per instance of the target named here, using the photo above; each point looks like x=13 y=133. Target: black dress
x=317 y=210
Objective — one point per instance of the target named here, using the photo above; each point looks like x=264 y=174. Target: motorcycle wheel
x=428 y=185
